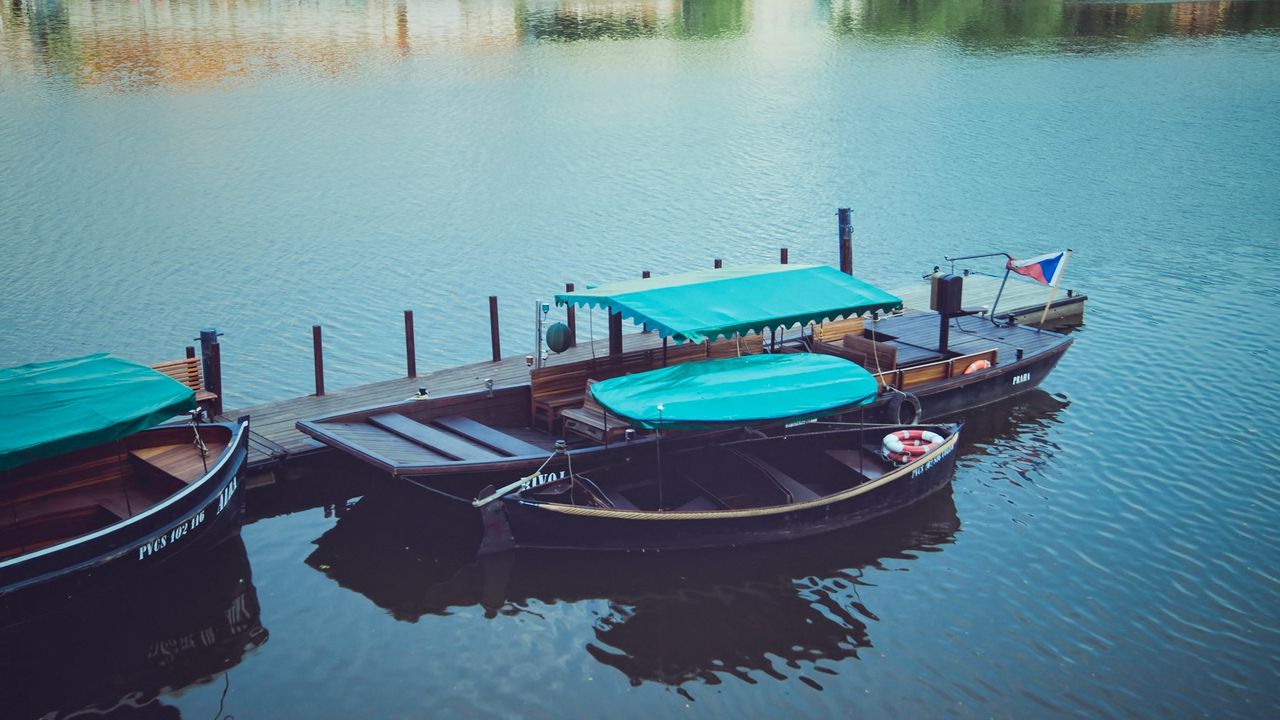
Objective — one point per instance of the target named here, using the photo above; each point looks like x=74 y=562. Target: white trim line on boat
x=193 y=487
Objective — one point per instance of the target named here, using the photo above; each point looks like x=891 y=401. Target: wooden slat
x=485 y=435
x=440 y=441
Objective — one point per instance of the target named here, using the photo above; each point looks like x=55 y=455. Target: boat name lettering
x=925 y=467
x=798 y=423
x=173 y=535
x=1021 y=378
x=227 y=493
x=534 y=481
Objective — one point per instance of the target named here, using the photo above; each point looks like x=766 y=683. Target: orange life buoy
x=977 y=365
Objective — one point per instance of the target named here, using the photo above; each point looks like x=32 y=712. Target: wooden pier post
x=719 y=263
x=645 y=275
x=411 y=356
x=846 y=240
x=782 y=256
x=493 y=328
x=211 y=364
x=615 y=333
x=317 y=349
x=571 y=318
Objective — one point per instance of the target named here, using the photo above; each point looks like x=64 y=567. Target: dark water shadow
x=112 y=654
x=672 y=618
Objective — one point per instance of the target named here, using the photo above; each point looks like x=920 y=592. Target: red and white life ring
x=906 y=445
x=976 y=365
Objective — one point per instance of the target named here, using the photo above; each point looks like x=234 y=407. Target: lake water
x=1107 y=548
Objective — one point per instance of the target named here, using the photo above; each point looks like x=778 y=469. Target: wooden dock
x=274 y=437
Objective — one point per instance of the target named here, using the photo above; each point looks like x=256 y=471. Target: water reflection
x=114 y=654
x=183 y=43
x=672 y=618
x=1054 y=27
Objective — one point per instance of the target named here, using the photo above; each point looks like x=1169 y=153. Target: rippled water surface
x=1108 y=546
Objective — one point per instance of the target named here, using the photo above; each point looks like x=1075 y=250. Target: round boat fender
x=901 y=399
x=977 y=365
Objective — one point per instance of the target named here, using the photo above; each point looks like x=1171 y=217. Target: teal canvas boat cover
x=51 y=408
x=708 y=304
x=748 y=390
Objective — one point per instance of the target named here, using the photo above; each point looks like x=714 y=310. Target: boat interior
x=487 y=428
x=729 y=476
x=54 y=500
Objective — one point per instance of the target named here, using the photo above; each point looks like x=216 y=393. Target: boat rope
x=199 y=443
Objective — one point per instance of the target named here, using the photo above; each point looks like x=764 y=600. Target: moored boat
x=755 y=490
x=93 y=488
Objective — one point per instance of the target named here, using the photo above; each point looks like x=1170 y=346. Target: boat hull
x=207 y=511
x=520 y=522
x=949 y=398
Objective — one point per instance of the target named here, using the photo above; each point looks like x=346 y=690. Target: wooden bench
x=593 y=421
x=187 y=372
x=445 y=443
x=489 y=437
x=834 y=331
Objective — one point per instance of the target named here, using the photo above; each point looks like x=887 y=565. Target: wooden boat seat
x=794 y=489
x=864 y=462
x=489 y=437
x=452 y=446
x=179 y=462
x=592 y=421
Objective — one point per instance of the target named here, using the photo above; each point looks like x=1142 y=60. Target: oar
x=523 y=482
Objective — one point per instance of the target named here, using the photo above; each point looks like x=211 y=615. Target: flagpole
x=1053 y=290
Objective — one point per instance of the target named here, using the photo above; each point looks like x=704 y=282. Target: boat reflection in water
x=114 y=654
x=671 y=617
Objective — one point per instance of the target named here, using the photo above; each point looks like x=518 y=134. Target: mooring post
x=615 y=333
x=493 y=328
x=782 y=256
x=719 y=263
x=571 y=318
x=411 y=356
x=216 y=388
x=317 y=350
x=645 y=275
x=211 y=364
x=846 y=241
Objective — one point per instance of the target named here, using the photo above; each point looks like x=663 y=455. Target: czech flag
x=1044 y=269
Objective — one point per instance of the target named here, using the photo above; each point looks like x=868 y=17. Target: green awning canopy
x=748 y=390
x=51 y=408
x=707 y=304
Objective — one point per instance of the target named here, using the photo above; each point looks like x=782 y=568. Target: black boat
x=756 y=490
x=89 y=495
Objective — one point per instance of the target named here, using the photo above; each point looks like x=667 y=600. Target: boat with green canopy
x=91 y=483
x=730 y=489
